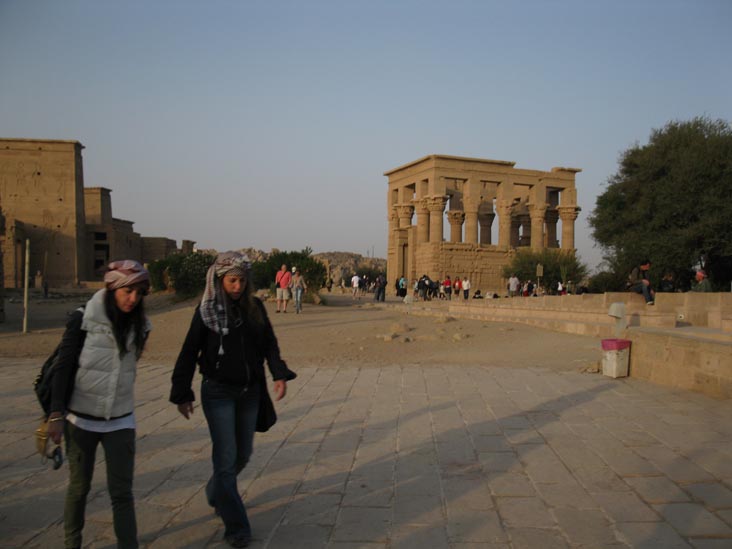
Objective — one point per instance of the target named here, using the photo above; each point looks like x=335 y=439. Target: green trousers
x=119 y=452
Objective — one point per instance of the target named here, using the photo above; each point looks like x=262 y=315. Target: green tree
x=184 y=273
x=671 y=202
x=264 y=272
x=559 y=265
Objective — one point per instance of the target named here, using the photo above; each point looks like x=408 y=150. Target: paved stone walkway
x=410 y=457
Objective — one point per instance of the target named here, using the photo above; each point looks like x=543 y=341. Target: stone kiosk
x=492 y=208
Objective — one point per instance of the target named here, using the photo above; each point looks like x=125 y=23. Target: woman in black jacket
x=230 y=337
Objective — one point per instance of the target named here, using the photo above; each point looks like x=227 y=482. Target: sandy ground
x=339 y=333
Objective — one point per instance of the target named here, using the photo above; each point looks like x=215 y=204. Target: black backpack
x=43 y=385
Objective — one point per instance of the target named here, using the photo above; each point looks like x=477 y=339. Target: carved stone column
x=405 y=211
x=537 y=213
x=423 y=220
x=471 y=221
x=393 y=226
x=456 y=218
x=436 y=207
x=552 y=216
x=504 y=222
x=393 y=220
x=486 y=221
x=568 y=215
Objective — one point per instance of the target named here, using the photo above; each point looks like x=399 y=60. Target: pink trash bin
x=615 y=357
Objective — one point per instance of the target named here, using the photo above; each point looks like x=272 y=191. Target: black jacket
x=242 y=364
x=67 y=362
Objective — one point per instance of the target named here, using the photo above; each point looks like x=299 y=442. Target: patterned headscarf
x=125 y=273
x=213 y=310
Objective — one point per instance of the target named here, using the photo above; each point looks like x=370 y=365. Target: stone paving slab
x=409 y=457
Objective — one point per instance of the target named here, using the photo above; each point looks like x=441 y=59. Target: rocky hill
x=343 y=265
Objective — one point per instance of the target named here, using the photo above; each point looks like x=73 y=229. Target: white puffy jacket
x=104 y=385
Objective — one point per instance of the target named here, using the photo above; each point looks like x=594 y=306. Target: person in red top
x=448 y=287
x=282 y=281
x=457 y=286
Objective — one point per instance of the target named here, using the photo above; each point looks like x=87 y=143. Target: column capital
x=436 y=203
x=456 y=217
x=552 y=215
x=568 y=213
x=537 y=211
x=504 y=207
x=404 y=210
x=420 y=205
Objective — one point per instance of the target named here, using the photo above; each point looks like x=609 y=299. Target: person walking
x=513 y=285
x=380 y=289
x=457 y=285
x=466 y=287
x=402 y=286
x=298 y=286
x=230 y=337
x=282 y=283
x=356 y=287
x=106 y=339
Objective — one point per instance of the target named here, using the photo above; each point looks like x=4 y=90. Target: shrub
x=313 y=271
x=184 y=273
x=559 y=265
x=190 y=276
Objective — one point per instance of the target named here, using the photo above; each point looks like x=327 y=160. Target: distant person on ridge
x=282 y=281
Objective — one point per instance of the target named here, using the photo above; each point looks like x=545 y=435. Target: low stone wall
x=684 y=341
x=682 y=360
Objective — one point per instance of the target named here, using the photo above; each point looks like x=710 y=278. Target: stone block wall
x=682 y=361
x=157 y=247
x=41 y=185
x=685 y=341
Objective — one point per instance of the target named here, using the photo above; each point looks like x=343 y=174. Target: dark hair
x=248 y=311
x=122 y=323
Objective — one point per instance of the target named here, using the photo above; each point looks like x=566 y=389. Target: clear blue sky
x=270 y=124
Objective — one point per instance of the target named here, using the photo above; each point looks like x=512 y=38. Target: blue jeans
x=231 y=413
x=644 y=289
x=298 y=299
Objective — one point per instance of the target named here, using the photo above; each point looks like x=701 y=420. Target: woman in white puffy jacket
x=102 y=344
